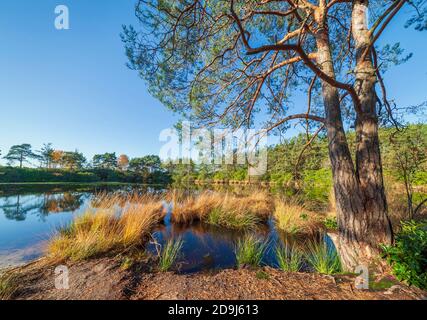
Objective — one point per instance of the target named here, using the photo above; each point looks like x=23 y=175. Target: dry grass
x=294 y=218
x=117 y=223
x=224 y=209
x=9 y=284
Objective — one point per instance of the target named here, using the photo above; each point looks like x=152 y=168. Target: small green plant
x=330 y=223
x=289 y=257
x=408 y=257
x=8 y=286
x=249 y=251
x=169 y=254
x=262 y=275
x=323 y=258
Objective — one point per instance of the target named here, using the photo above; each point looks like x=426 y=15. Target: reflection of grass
x=289 y=257
x=323 y=258
x=110 y=227
x=249 y=251
x=223 y=209
x=8 y=286
x=169 y=254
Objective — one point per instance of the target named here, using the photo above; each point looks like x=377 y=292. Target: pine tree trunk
x=359 y=193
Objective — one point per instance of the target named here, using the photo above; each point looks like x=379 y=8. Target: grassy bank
x=38 y=175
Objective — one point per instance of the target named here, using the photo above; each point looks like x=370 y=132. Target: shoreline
x=106 y=279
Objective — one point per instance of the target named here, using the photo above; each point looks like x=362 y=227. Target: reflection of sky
x=36 y=227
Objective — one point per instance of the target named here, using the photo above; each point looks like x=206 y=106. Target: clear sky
x=72 y=87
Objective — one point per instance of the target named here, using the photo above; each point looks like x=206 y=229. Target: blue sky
x=72 y=87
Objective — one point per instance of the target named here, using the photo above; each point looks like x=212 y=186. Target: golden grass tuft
x=294 y=218
x=118 y=223
x=224 y=209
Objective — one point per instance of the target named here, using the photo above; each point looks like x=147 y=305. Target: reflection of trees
x=15 y=208
x=19 y=207
x=63 y=202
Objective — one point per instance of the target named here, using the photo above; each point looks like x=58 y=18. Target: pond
x=29 y=216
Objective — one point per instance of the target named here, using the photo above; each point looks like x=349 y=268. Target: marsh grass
x=323 y=258
x=293 y=218
x=107 y=228
x=9 y=284
x=289 y=258
x=249 y=251
x=170 y=254
x=223 y=209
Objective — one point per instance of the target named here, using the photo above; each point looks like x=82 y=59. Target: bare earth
x=105 y=279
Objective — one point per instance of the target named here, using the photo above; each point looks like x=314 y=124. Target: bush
x=408 y=257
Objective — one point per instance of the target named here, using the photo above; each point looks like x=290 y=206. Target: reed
x=223 y=209
x=170 y=254
x=289 y=258
x=249 y=251
x=109 y=227
x=293 y=218
x=323 y=258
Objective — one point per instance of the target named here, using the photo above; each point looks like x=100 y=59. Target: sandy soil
x=105 y=279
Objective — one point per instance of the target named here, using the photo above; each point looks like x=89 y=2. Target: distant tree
x=105 y=161
x=57 y=158
x=123 y=162
x=46 y=155
x=73 y=160
x=21 y=153
x=405 y=155
x=145 y=165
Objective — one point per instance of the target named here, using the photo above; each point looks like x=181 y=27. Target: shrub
x=408 y=256
x=249 y=251
x=323 y=258
x=169 y=254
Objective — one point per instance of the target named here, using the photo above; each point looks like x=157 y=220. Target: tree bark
x=368 y=156
x=359 y=192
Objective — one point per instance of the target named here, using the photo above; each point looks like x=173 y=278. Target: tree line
x=50 y=158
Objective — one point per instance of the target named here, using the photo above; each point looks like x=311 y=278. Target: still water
x=29 y=216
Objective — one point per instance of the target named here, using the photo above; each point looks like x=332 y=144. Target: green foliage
x=408 y=257
x=289 y=257
x=29 y=175
x=420 y=178
x=105 y=161
x=317 y=184
x=170 y=254
x=331 y=223
x=249 y=251
x=20 y=153
x=323 y=258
